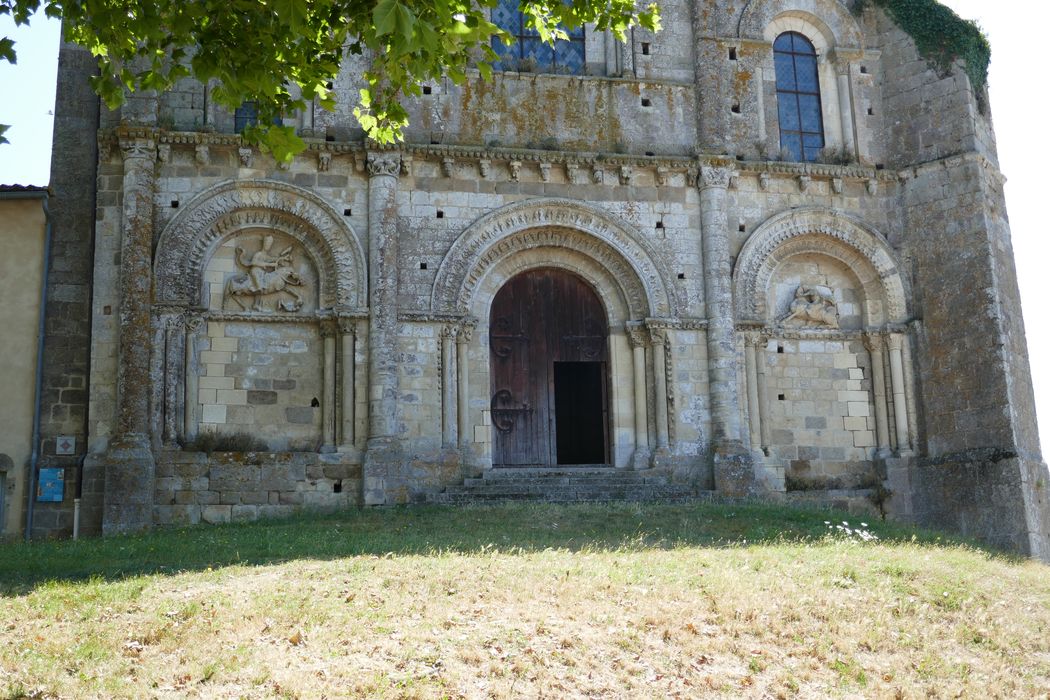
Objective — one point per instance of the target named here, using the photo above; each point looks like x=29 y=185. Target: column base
x=641 y=460
x=733 y=467
x=129 y=485
x=381 y=481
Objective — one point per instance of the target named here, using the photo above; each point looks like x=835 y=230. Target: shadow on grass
x=425 y=531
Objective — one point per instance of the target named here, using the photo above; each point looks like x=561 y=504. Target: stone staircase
x=564 y=485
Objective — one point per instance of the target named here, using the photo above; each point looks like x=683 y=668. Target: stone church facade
x=659 y=258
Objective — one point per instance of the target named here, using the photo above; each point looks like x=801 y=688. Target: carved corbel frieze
x=246 y=155
x=571 y=169
x=545 y=171
x=324 y=161
x=448 y=166
x=384 y=163
x=515 y=170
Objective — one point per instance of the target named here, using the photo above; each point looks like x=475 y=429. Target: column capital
x=137 y=143
x=450 y=332
x=636 y=335
x=384 y=163
x=714 y=176
x=755 y=339
x=347 y=326
x=329 y=327
x=875 y=341
x=895 y=341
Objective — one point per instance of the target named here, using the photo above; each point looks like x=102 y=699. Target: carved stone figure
x=266 y=275
x=812 y=307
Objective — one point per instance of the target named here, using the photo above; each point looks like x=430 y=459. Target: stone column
x=173 y=361
x=900 y=402
x=763 y=391
x=732 y=464
x=636 y=336
x=347 y=368
x=754 y=412
x=382 y=453
x=463 y=338
x=129 y=461
x=842 y=67
x=659 y=342
x=328 y=333
x=448 y=386
x=874 y=343
x=193 y=324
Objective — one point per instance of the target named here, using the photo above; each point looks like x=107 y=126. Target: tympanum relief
x=812 y=307
x=262 y=272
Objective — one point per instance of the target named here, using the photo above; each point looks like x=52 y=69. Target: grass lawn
x=624 y=601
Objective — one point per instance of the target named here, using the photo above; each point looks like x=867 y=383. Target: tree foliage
x=283 y=54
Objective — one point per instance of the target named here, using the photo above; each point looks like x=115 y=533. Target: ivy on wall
x=940 y=35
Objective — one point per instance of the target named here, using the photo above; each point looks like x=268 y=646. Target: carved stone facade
x=768 y=327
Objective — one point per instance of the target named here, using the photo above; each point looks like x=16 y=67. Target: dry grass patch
x=640 y=611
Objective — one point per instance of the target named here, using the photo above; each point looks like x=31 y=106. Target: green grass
x=640 y=601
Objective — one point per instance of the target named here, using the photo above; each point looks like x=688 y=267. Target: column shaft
x=348 y=369
x=191 y=395
x=753 y=413
x=763 y=394
x=328 y=396
x=660 y=381
x=900 y=402
x=448 y=387
x=718 y=298
x=878 y=385
x=462 y=385
x=172 y=364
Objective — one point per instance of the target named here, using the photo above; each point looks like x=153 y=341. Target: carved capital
x=597 y=175
x=515 y=170
x=329 y=328
x=836 y=185
x=466 y=332
x=545 y=171
x=658 y=335
x=449 y=332
x=874 y=342
x=175 y=323
x=895 y=341
x=194 y=322
x=661 y=175
x=384 y=163
x=570 y=172
x=636 y=335
x=246 y=154
x=484 y=167
x=348 y=326
x=755 y=339
x=763 y=181
x=714 y=177
x=137 y=146
x=626 y=174
x=873 y=186
x=201 y=154
x=803 y=183
x=164 y=153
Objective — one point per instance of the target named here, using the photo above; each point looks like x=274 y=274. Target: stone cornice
x=952 y=161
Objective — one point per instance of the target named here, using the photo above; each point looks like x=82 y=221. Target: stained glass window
x=798 y=97
x=529 y=52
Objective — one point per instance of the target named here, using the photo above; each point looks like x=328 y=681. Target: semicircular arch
x=818 y=231
x=561 y=228
x=190 y=239
x=828 y=22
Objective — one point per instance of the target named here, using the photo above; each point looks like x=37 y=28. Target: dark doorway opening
x=579 y=412
x=548 y=339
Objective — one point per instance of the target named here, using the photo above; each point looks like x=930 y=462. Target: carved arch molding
x=553 y=224
x=823 y=232
x=190 y=239
x=834 y=21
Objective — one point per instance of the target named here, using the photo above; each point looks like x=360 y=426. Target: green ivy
x=940 y=35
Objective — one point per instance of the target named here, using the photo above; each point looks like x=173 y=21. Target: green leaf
x=384 y=17
x=3 y=128
x=7 y=50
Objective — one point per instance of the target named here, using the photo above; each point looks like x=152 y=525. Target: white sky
x=27 y=95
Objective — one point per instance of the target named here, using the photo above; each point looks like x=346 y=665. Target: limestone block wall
x=822 y=412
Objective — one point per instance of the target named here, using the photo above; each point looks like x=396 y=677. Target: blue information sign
x=51 y=483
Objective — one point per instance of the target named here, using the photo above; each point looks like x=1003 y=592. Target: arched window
x=531 y=54
x=798 y=97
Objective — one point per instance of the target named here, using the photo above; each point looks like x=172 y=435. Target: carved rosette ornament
x=384 y=163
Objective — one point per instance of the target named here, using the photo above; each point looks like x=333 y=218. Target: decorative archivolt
x=553 y=225
x=831 y=23
x=822 y=232
x=190 y=239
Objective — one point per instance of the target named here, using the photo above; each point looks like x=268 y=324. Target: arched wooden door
x=548 y=342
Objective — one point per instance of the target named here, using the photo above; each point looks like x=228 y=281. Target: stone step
x=526 y=472
x=514 y=487
x=571 y=480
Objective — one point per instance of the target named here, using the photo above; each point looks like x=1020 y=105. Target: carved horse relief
x=812 y=307
x=268 y=283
